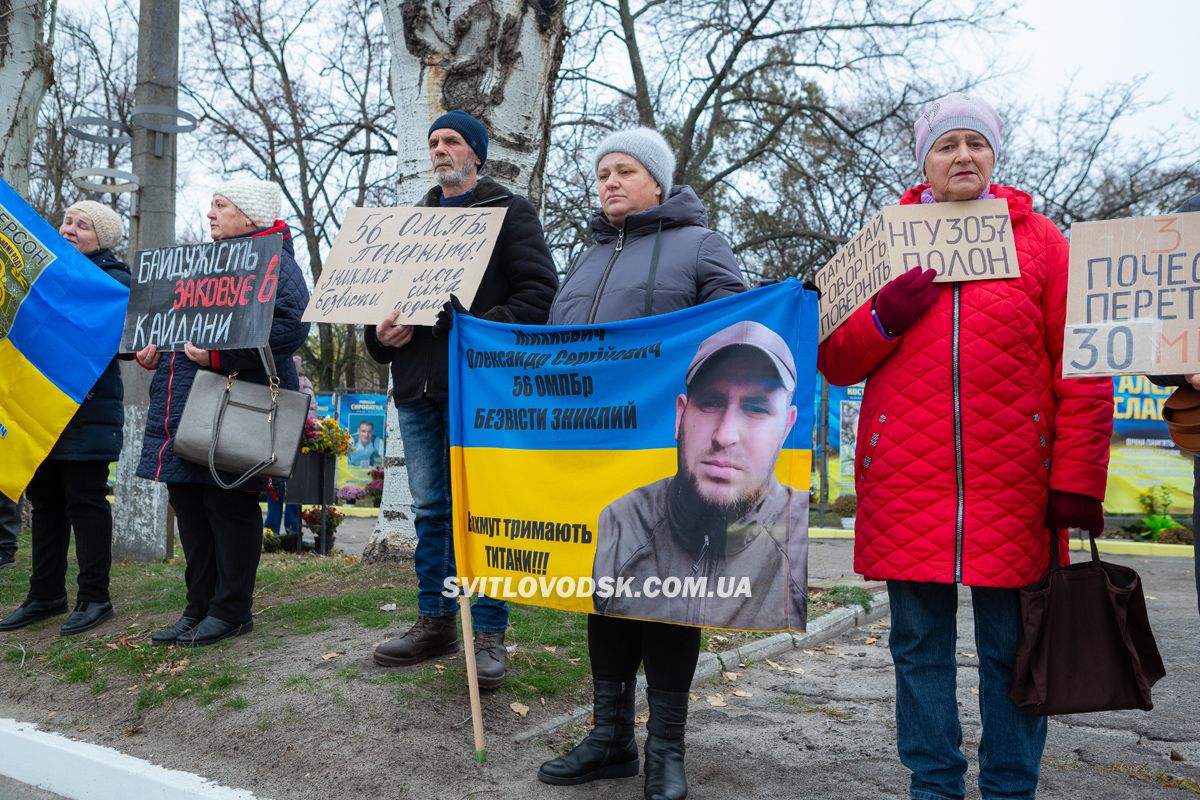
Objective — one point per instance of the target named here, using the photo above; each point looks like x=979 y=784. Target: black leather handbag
x=1086 y=643
x=241 y=427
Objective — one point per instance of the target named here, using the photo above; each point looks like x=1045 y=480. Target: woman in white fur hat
x=221 y=529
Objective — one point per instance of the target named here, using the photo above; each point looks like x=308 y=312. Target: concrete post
x=140 y=530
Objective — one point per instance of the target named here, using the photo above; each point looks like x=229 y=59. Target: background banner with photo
x=1142 y=456
x=365 y=416
x=326 y=404
x=844 y=403
x=564 y=462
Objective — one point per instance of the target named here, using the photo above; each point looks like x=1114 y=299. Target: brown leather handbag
x=1086 y=643
x=1181 y=412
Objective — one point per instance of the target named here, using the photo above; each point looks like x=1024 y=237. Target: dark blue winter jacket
x=94 y=433
x=173 y=379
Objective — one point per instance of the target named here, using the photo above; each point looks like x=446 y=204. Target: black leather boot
x=609 y=751
x=664 y=745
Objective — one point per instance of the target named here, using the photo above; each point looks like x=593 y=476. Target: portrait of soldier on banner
x=717 y=530
x=366 y=445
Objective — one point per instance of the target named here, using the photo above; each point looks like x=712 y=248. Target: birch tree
x=26 y=71
x=497 y=60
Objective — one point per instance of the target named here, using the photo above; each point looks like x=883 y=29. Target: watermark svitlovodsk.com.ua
x=507 y=587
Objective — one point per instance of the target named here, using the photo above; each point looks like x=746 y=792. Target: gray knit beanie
x=258 y=200
x=953 y=112
x=1190 y=205
x=647 y=146
x=105 y=221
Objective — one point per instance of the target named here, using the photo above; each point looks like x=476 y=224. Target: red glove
x=902 y=302
x=1071 y=510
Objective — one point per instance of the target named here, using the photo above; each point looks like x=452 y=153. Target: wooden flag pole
x=464 y=603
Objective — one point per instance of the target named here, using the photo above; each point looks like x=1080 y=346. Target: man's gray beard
x=454 y=178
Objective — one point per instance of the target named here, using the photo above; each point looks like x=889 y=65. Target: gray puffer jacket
x=664 y=259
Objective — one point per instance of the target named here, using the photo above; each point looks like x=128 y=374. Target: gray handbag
x=240 y=427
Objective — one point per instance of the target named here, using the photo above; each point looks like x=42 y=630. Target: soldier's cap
x=747 y=334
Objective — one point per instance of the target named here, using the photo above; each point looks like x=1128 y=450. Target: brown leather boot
x=428 y=638
x=491 y=656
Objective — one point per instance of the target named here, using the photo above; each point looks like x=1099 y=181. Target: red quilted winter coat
x=966 y=422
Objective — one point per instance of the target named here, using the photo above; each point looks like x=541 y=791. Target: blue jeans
x=923 y=642
x=276 y=511
x=425 y=431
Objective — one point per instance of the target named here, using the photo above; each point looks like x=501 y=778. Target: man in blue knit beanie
x=517 y=287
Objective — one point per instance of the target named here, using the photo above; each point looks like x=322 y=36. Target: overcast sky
x=1053 y=42
x=1102 y=41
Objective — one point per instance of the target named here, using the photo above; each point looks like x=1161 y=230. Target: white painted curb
x=82 y=771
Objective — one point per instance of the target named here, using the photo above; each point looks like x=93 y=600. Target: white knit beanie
x=258 y=200
x=105 y=221
x=647 y=146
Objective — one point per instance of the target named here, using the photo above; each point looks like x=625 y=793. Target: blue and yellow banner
x=60 y=325
x=655 y=468
x=1143 y=455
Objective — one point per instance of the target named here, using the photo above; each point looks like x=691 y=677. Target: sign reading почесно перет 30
x=966 y=241
x=1133 y=297
x=405 y=259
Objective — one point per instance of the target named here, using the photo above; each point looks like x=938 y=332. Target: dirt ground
x=808 y=723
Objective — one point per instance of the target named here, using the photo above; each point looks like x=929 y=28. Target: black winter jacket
x=173 y=379
x=517 y=287
x=94 y=433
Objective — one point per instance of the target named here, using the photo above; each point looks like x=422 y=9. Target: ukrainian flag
x=60 y=326
x=550 y=424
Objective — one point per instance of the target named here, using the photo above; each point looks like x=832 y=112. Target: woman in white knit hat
x=653 y=253
x=221 y=529
x=69 y=490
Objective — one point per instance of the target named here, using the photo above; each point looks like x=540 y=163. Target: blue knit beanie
x=1190 y=205
x=472 y=131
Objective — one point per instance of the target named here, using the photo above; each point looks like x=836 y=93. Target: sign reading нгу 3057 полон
x=1132 y=297
x=968 y=241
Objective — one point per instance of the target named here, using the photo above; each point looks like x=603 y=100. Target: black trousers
x=66 y=495
x=10 y=525
x=668 y=652
x=221 y=533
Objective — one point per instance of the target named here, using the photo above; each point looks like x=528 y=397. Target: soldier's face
x=730 y=428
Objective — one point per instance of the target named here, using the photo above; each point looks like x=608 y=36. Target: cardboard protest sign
x=570 y=445
x=968 y=241
x=411 y=259
x=1132 y=304
x=218 y=296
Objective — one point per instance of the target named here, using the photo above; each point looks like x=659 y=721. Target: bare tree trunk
x=497 y=60
x=26 y=71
